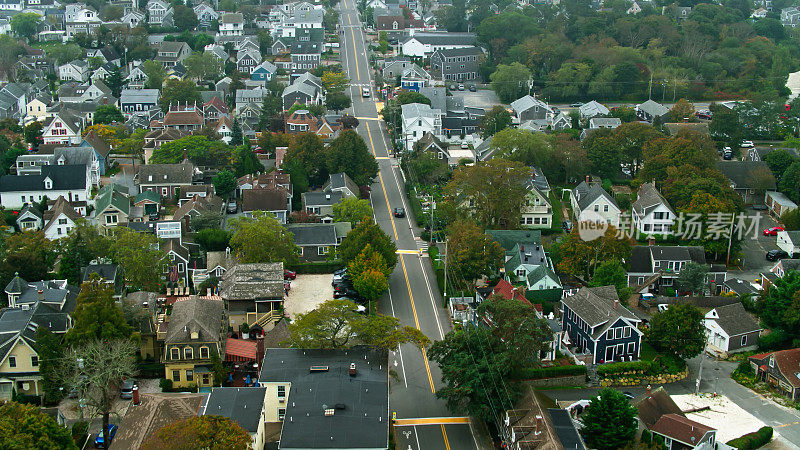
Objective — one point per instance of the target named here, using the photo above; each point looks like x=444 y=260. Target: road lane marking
x=407 y=252
x=444 y=434
x=353 y=33
x=383 y=186
x=369 y=118
x=431 y=421
x=416 y=322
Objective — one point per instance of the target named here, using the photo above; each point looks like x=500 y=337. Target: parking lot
x=308 y=292
x=754 y=250
x=482 y=98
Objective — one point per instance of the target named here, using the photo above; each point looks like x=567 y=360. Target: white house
x=590 y=202
x=63 y=128
x=60 y=219
x=231 y=24
x=72 y=182
x=205 y=13
x=77 y=70
x=731 y=329
x=418 y=119
x=537 y=211
x=789 y=241
x=133 y=19
x=425 y=43
x=651 y=213
x=592 y=109
x=159 y=13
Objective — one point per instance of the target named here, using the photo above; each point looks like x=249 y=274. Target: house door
x=609 y=353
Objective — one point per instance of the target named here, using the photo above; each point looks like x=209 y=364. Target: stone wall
x=639 y=378
x=569 y=380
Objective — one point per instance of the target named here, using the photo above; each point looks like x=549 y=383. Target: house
x=271 y=180
x=77 y=70
x=634 y=9
x=159 y=13
x=305 y=56
x=534 y=423
x=64 y=127
x=604 y=122
x=138 y=101
x=657 y=267
x=198 y=205
x=302 y=121
x=778 y=203
x=156 y=138
x=231 y=24
x=649 y=110
x=596 y=324
x=69 y=181
x=60 y=219
x=790 y=16
x=396 y=25
x=321 y=203
x=784 y=266
x=170 y=53
x=165 y=179
x=779 y=369
x=111 y=274
x=592 y=109
x=741 y=287
x=153 y=412
x=456 y=64
x=112 y=206
x=194 y=335
x=748 y=178
x=215 y=108
x=254 y=294
x=274 y=200
x=224 y=128
x=659 y=414
x=247 y=406
x=30 y=218
x=186 y=118
x=651 y=212
x=205 y=14
x=341 y=182
x=247 y=59
x=31 y=305
x=263 y=72
x=305 y=90
x=100 y=148
x=731 y=329
x=528 y=264
x=679 y=13
x=418 y=119
x=788 y=241
x=423 y=44
x=317 y=241
x=537 y=212
x=531 y=108
x=353 y=383
x=133 y=19
x=591 y=203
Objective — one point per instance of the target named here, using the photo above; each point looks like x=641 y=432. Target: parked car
x=365 y=92
x=576 y=105
x=452 y=87
x=126 y=390
x=232 y=207
x=289 y=274
x=472 y=88
x=340 y=279
x=152 y=216
x=399 y=212
x=460 y=87
x=98 y=441
x=727 y=153
x=747 y=144
x=345 y=291
x=759 y=207
x=774 y=255
x=341 y=271
x=772 y=231
x=705 y=115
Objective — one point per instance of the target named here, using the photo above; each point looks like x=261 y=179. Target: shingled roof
x=195 y=315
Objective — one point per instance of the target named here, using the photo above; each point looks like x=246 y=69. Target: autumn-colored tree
x=472 y=253
x=370 y=284
x=109 y=134
x=682 y=110
x=208 y=432
x=261 y=238
x=580 y=257
x=334 y=81
x=493 y=192
x=368 y=259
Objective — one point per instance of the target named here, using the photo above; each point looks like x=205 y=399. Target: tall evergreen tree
x=236 y=134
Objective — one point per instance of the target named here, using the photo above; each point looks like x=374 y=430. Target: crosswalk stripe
x=431 y=421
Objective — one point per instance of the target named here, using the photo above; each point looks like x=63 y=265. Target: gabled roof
x=508 y=239
x=462 y=51
x=734 y=320
x=587 y=193
x=209 y=203
x=97 y=143
x=195 y=315
x=243 y=405
x=740 y=173
x=314 y=234
x=528 y=102
x=253 y=281
x=442 y=38
x=269 y=199
x=110 y=195
x=66 y=177
x=166 y=173
x=593 y=108
x=598 y=305
x=322 y=198
x=681 y=429
x=653 y=108
x=139 y=96
x=654 y=405
x=341 y=181
x=788 y=362
x=648 y=198
x=509 y=291
x=151 y=196
x=232 y=18
x=61 y=206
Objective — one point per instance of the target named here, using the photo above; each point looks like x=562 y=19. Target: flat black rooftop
x=360 y=403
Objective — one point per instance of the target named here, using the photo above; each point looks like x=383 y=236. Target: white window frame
x=744 y=340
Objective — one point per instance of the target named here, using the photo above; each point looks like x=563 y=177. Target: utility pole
x=650 y=88
x=730 y=241
x=700 y=372
x=445 y=269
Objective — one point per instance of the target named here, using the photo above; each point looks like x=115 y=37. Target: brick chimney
x=651 y=241
x=539 y=425
x=616 y=304
x=41 y=295
x=588 y=178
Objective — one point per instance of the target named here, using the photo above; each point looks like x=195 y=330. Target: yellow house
x=195 y=333
x=246 y=406
x=35 y=110
x=31 y=305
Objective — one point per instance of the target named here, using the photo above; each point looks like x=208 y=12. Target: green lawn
x=648 y=352
x=555 y=201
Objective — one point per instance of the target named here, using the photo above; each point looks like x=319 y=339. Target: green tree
x=693 y=278
x=426 y=168
x=790 y=182
x=25 y=24
x=337 y=101
x=406 y=97
x=245 y=161
x=352 y=210
x=26 y=426
x=64 y=53
x=726 y=125
x=367 y=232
x=107 y=114
x=155 y=73
x=114 y=81
x=50 y=348
x=778 y=161
x=368 y=260
x=495 y=120
x=200 y=150
x=212 y=239
x=519 y=327
x=29 y=254
x=203 y=66
x=678 y=331
x=609 y=422
x=510 y=82
x=140 y=256
x=224 y=183
x=83 y=244
x=33 y=132
x=580 y=257
x=471 y=252
x=493 y=192
x=610 y=273
x=791 y=219
x=270 y=107
x=261 y=238
x=207 y=219
x=476 y=369
x=524 y=146
x=307 y=151
x=97 y=315
x=237 y=138
x=681 y=111
x=348 y=153
x=334 y=81
x=371 y=284
x=179 y=92
x=212 y=432
x=336 y=324
x=184 y=17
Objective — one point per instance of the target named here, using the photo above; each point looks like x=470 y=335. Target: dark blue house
x=594 y=322
x=100 y=147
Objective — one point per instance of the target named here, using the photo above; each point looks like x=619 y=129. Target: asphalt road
x=412 y=297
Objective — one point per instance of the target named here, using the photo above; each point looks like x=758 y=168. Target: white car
x=365 y=92
x=747 y=144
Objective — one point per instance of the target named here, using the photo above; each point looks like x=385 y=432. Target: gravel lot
x=308 y=291
x=727 y=417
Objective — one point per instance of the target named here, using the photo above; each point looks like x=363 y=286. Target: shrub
x=550 y=372
x=754 y=440
x=317 y=267
x=150 y=369
x=165 y=384
x=621 y=368
x=79 y=430
x=775 y=340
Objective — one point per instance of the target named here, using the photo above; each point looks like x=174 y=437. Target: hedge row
x=622 y=367
x=151 y=369
x=754 y=440
x=551 y=372
x=317 y=267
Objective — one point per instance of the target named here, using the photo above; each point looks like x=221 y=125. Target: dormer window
x=48 y=184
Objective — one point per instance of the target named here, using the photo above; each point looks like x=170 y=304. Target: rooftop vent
x=329 y=412
x=318 y=369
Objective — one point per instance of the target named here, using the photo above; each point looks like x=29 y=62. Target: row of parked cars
x=343 y=288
